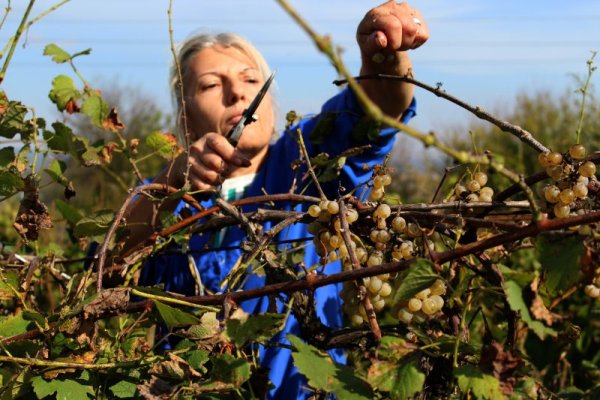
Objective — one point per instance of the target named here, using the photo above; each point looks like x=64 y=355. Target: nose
x=235 y=93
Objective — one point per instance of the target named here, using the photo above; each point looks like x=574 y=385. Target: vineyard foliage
x=486 y=287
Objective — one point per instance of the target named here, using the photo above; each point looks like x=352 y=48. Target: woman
x=220 y=77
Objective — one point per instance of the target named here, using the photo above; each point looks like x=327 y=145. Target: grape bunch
x=423 y=305
x=571 y=175
x=474 y=190
x=381 y=179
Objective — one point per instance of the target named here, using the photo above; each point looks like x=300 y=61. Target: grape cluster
x=571 y=174
x=381 y=179
x=474 y=190
x=424 y=304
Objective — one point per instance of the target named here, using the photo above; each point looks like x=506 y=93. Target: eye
x=208 y=86
x=252 y=80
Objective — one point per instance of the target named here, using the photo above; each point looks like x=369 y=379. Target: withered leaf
x=176 y=367
x=500 y=363
x=72 y=107
x=538 y=308
x=112 y=121
x=33 y=215
x=108 y=300
x=156 y=389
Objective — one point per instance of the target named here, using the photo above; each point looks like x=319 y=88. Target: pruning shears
x=248 y=115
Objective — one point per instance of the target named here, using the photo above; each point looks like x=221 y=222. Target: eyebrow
x=245 y=70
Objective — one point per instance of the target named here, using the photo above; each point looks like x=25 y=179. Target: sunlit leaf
x=65 y=389
x=58 y=55
x=514 y=296
x=96 y=108
x=63 y=90
x=165 y=144
x=322 y=373
x=174 y=317
x=402 y=380
x=420 y=276
x=95 y=224
x=257 y=328
x=483 y=386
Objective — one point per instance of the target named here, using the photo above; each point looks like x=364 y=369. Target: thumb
x=374 y=42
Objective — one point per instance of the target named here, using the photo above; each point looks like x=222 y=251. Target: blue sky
x=484 y=52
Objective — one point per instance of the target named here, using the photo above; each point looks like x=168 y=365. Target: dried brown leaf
x=113 y=122
x=33 y=215
x=176 y=367
x=107 y=301
x=500 y=363
x=156 y=389
x=538 y=308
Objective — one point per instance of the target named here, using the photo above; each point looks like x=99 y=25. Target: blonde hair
x=194 y=44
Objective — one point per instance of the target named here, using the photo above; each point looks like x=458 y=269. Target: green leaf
x=95 y=224
x=7 y=156
x=164 y=144
x=197 y=359
x=65 y=389
x=209 y=327
x=401 y=381
x=483 y=386
x=9 y=282
x=228 y=369
x=322 y=373
x=63 y=91
x=420 y=276
x=514 y=296
x=58 y=55
x=174 y=317
x=324 y=126
x=96 y=108
x=31 y=315
x=124 y=389
x=56 y=170
x=12 y=119
x=14 y=325
x=69 y=213
x=257 y=328
x=393 y=348
x=560 y=260
x=10 y=183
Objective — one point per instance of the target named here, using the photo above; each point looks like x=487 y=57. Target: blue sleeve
x=342 y=125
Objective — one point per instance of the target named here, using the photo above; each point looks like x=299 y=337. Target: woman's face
x=220 y=85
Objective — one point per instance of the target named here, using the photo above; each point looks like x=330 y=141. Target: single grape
x=373 y=235
x=378 y=181
x=438 y=300
x=356 y=320
x=580 y=190
x=487 y=191
x=551 y=194
x=414 y=305
x=376 y=258
x=413 y=230
x=387 y=180
x=554 y=171
x=378 y=305
x=473 y=186
x=423 y=294
x=333 y=256
x=438 y=287
x=554 y=158
x=333 y=207
x=376 y=194
x=398 y=224
x=361 y=254
x=592 y=291
x=386 y=289
x=406 y=249
x=459 y=189
x=314 y=210
x=383 y=236
x=566 y=196
x=587 y=169
x=472 y=198
x=485 y=198
x=374 y=285
x=405 y=316
x=381 y=223
x=383 y=211
x=577 y=152
x=351 y=215
x=481 y=178
x=583 y=179
x=429 y=306
x=561 y=210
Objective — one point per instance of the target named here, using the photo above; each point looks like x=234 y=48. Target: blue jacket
x=276 y=176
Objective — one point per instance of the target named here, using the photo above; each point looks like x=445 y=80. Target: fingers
x=211 y=160
x=392 y=27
